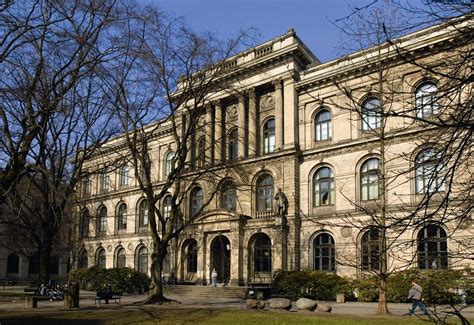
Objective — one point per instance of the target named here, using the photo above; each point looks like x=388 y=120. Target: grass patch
x=180 y=315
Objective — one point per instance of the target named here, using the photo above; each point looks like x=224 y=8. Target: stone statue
x=280 y=204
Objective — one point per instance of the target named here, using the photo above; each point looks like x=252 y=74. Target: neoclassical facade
x=312 y=168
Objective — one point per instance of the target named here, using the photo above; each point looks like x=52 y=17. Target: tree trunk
x=382 y=307
x=44 y=258
x=156 y=293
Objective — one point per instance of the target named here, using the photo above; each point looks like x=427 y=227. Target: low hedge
x=309 y=284
x=120 y=280
x=439 y=286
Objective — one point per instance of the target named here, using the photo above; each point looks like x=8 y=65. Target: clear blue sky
x=312 y=19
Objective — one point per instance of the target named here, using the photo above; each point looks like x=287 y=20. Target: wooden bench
x=106 y=299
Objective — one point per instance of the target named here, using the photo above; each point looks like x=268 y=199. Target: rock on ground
x=279 y=303
x=324 y=308
x=306 y=304
x=255 y=304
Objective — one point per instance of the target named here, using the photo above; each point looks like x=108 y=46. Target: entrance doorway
x=220 y=258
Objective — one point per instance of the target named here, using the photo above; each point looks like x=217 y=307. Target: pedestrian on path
x=214 y=277
x=415 y=295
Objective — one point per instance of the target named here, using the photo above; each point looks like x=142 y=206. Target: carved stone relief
x=267 y=101
x=346 y=232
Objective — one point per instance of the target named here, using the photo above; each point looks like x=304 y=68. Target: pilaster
x=253 y=129
x=241 y=126
x=279 y=134
x=209 y=129
x=290 y=106
x=219 y=131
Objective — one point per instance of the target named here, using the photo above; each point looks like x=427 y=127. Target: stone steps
x=206 y=292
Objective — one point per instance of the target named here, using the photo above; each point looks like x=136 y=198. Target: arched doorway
x=189 y=260
x=260 y=258
x=220 y=258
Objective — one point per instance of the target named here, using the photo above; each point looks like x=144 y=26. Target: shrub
x=367 y=289
x=439 y=286
x=119 y=280
x=309 y=284
x=289 y=284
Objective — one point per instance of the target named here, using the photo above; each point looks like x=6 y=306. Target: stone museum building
x=305 y=137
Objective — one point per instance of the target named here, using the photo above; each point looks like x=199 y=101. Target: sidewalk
x=87 y=300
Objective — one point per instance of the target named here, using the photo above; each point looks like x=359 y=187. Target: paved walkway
x=88 y=300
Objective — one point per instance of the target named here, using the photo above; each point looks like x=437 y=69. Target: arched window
x=13 y=263
x=197 y=200
x=191 y=256
x=428 y=172
x=233 y=145
x=228 y=196
x=166 y=212
x=323 y=125
x=83 y=260
x=269 y=136
x=120 y=258
x=371 y=114
x=262 y=254
x=169 y=163
x=122 y=217
x=264 y=193
x=371 y=247
x=426 y=99
x=369 y=179
x=124 y=175
x=84 y=228
x=102 y=219
x=143 y=220
x=324 y=253
x=142 y=260
x=100 y=258
x=432 y=248
x=201 y=157
x=323 y=187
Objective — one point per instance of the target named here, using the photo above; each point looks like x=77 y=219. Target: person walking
x=214 y=277
x=415 y=294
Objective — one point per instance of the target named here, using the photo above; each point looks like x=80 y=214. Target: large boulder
x=260 y=304
x=279 y=303
x=324 y=308
x=255 y=304
x=251 y=303
x=306 y=304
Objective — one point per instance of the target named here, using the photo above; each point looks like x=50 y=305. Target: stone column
x=201 y=260
x=241 y=126
x=278 y=115
x=209 y=129
x=253 y=125
x=218 y=134
x=291 y=113
x=234 y=260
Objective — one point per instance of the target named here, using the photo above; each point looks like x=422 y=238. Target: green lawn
x=180 y=315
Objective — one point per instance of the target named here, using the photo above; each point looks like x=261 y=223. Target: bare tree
x=442 y=110
x=53 y=116
x=163 y=85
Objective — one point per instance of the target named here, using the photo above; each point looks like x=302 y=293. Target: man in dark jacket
x=415 y=295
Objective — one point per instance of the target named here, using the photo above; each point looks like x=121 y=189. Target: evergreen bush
x=119 y=280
